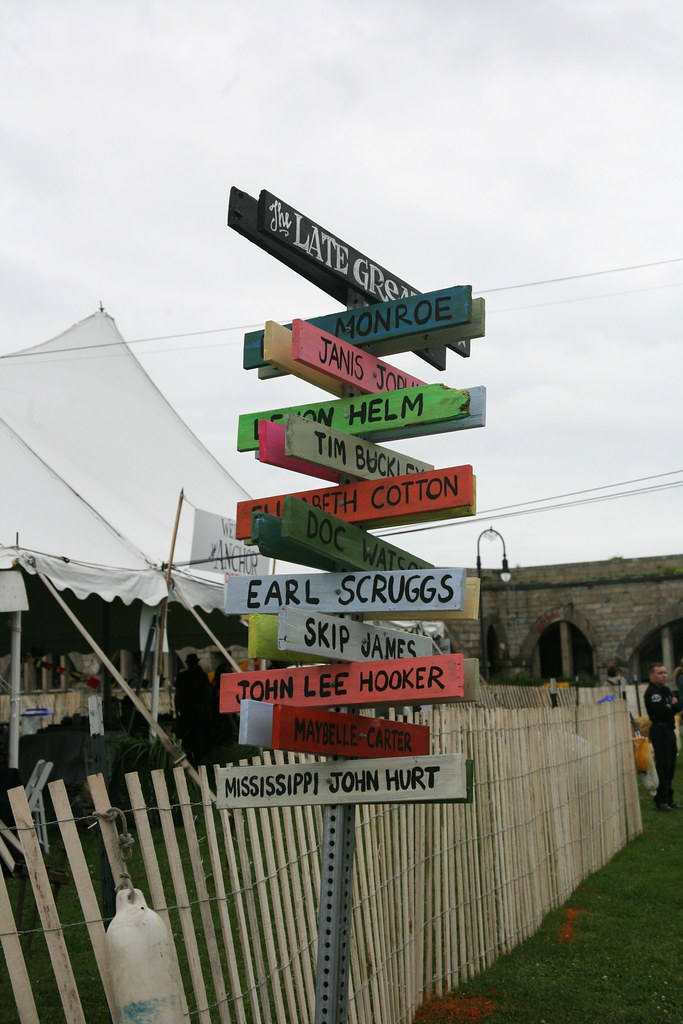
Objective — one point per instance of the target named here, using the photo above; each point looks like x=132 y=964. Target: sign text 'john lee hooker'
x=362 y=683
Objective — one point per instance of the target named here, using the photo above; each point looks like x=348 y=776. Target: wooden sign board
x=332 y=364
x=320 y=246
x=412 y=498
x=448 y=316
x=411 y=412
x=277 y=351
x=266 y=533
x=298 y=635
x=433 y=680
x=252 y=219
x=271 y=451
x=335 y=451
x=442 y=778
x=332 y=733
x=349 y=545
x=400 y=593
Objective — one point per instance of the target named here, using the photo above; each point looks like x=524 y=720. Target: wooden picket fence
x=440 y=891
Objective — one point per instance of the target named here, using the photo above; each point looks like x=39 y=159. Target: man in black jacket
x=661 y=706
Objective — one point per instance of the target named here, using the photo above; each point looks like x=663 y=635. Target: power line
x=511 y=511
x=487 y=291
x=576 y=277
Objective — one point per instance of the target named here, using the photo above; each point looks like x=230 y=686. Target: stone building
x=564 y=621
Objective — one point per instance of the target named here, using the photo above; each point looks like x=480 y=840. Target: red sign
x=271 y=450
x=329 y=732
x=346 y=363
x=412 y=498
x=362 y=683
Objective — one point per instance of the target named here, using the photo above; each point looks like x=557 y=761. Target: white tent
x=94 y=460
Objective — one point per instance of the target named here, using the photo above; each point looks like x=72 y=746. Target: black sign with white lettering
x=320 y=246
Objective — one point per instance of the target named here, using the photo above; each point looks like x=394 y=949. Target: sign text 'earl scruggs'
x=320 y=246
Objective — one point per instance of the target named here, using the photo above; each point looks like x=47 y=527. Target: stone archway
x=571 y=642
x=657 y=637
x=496 y=650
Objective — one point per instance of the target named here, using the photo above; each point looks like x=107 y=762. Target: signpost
x=358 y=663
x=413 y=498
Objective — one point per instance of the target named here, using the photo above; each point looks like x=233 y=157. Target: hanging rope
x=125 y=840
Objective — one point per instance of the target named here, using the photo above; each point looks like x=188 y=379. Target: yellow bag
x=641 y=753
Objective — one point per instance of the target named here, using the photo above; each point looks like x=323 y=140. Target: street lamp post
x=505 y=577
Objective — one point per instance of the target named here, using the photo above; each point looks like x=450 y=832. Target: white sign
x=434 y=777
x=216 y=549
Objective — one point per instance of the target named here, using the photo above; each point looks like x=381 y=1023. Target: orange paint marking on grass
x=455 y=1009
x=566 y=932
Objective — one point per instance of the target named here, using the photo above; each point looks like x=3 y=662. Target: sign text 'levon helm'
x=362 y=683
x=448 y=316
x=331 y=733
x=426 y=590
x=412 y=498
x=445 y=778
x=390 y=415
x=354 y=456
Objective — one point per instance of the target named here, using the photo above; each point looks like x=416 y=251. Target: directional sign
x=450 y=315
x=266 y=533
x=351 y=546
x=413 y=498
x=337 y=451
x=320 y=246
x=337 y=268
x=271 y=451
x=296 y=635
x=330 y=363
x=432 y=680
x=446 y=778
x=334 y=733
x=401 y=594
x=277 y=350
x=411 y=412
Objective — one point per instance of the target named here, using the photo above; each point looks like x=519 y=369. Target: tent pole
x=177 y=753
x=15 y=691
x=228 y=657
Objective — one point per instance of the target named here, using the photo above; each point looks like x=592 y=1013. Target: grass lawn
x=612 y=954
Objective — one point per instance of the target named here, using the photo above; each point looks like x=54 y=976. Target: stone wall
x=624 y=608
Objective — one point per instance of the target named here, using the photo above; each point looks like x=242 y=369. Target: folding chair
x=34 y=794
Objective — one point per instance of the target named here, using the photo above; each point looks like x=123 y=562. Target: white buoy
x=142 y=968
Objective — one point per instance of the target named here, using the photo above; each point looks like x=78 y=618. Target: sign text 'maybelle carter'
x=294 y=229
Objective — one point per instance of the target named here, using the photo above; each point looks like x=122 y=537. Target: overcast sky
x=495 y=143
